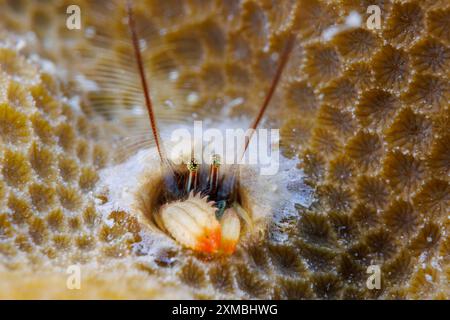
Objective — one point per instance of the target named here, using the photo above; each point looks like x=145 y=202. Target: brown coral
x=364 y=113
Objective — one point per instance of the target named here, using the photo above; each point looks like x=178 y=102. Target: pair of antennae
x=275 y=81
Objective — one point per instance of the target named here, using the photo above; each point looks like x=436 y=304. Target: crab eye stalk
x=213 y=179
x=192 y=179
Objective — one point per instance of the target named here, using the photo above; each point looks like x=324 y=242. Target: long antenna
x=283 y=61
x=275 y=81
x=145 y=87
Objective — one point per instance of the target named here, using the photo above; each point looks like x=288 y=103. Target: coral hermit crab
x=199 y=208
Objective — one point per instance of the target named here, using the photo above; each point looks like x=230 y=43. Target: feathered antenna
x=145 y=87
x=275 y=81
x=231 y=185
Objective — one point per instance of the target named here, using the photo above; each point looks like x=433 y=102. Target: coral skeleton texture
x=364 y=135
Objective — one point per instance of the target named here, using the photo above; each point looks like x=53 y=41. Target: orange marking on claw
x=209 y=242
x=228 y=246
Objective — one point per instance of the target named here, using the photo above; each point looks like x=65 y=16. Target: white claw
x=231 y=229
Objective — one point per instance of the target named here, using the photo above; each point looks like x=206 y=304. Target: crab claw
x=231 y=228
x=193 y=224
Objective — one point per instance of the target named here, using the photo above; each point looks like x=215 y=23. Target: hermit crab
x=199 y=206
